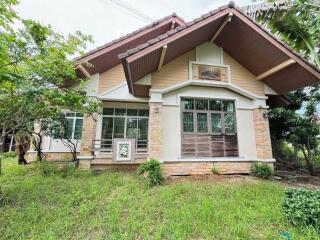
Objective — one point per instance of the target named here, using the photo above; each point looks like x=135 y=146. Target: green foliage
x=262 y=170
x=51 y=169
x=10 y=154
x=152 y=171
x=115 y=205
x=215 y=170
x=302 y=207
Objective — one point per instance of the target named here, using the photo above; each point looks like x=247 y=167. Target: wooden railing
x=106 y=146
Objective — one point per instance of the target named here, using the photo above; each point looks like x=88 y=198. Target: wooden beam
x=163 y=54
x=84 y=71
x=172 y=25
x=276 y=69
x=216 y=34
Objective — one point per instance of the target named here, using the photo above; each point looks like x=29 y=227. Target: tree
x=38 y=80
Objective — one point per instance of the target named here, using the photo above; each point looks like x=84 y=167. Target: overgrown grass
x=113 y=205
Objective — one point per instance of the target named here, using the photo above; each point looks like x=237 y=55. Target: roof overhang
x=106 y=56
x=243 y=39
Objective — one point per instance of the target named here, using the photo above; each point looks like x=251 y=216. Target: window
x=211 y=116
x=74 y=124
x=125 y=123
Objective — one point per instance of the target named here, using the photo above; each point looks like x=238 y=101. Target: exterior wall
x=174 y=72
x=171 y=120
x=155 y=130
x=262 y=135
x=111 y=78
x=242 y=77
x=201 y=168
x=88 y=134
x=50 y=156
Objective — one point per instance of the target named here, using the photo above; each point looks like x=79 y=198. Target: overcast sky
x=105 y=20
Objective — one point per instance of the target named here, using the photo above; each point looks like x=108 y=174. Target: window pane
x=69 y=129
x=120 y=111
x=143 y=128
x=215 y=105
x=78 y=129
x=132 y=124
x=229 y=123
x=188 y=122
x=202 y=124
x=188 y=104
x=201 y=104
x=132 y=112
x=70 y=114
x=108 y=111
x=228 y=106
x=79 y=115
x=144 y=112
x=107 y=126
x=118 y=131
x=216 y=122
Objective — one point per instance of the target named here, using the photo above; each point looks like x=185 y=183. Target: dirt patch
x=298 y=179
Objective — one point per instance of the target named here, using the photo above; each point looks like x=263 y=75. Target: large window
x=75 y=121
x=210 y=116
x=125 y=123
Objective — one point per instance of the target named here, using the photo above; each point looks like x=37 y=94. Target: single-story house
x=193 y=95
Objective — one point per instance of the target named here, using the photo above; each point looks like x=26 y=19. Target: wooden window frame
x=209 y=120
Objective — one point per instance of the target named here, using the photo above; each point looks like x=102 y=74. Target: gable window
x=208 y=128
x=124 y=123
x=75 y=122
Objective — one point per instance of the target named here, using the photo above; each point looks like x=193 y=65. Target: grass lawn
x=112 y=205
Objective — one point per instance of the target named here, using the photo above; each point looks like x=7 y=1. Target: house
x=192 y=95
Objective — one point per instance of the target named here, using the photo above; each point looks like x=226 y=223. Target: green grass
x=114 y=205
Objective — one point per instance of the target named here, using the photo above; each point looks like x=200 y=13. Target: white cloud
x=104 y=20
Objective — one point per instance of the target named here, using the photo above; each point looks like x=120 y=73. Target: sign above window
x=209 y=72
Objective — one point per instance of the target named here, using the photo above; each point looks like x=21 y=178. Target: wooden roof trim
x=132 y=36
x=276 y=69
x=276 y=43
x=216 y=34
x=162 y=56
x=176 y=36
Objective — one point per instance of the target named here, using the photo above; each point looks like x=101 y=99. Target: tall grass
x=113 y=205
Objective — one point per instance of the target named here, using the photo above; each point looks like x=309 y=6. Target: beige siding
x=111 y=78
x=242 y=77
x=174 y=72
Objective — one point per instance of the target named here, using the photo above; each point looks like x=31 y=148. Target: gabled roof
x=106 y=56
x=246 y=41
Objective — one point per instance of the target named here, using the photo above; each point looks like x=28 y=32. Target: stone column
x=87 y=137
x=262 y=134
x=154 y=131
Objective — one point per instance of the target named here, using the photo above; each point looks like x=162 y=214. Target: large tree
x=38 y=80
x=297 y=23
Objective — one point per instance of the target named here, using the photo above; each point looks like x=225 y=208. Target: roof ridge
x=231 y=4
x=124 y=37
x=174 y=31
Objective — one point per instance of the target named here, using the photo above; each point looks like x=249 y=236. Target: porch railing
x=106 y=146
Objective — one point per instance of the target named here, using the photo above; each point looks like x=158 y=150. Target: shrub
x=10 y=154
x=302 y=207
x=262 y=170
x=215 y=170
x=151 y=170
x=49 y=169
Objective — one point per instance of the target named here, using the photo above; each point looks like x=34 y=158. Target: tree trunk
x=308 y=161
x=21 y=153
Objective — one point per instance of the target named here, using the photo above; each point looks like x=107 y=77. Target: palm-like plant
x=296 y=22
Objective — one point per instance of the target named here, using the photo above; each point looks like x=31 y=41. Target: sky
x=105 y=20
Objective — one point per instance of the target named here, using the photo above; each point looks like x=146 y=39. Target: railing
x=106 y=145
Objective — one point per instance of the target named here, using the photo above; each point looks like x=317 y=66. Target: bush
x=151 y=170
x=262 y=170
x=49 y=169
x=302 y=207
x=10 y=154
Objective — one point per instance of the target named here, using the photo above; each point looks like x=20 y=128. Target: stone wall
x=154 y=135
x=262 y=134
x=88 y=135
